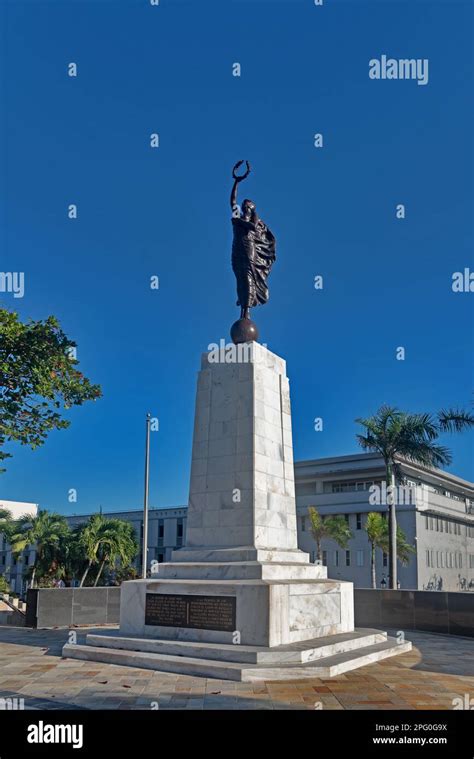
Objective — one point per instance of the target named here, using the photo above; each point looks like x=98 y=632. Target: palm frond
x=455 y=420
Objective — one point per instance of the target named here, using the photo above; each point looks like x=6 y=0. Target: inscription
x=204 y=612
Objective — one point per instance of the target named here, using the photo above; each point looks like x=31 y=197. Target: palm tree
x=118 y=544
x=90 y=538
x=377 y=529
x=393 y=433
x=103 y=541
x=378 y=535
x=44 y=531
x=5 y=522
x=333 y=527
x=72 y=561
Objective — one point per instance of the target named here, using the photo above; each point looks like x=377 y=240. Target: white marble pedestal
x=240 y=601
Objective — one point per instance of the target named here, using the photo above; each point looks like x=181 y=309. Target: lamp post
x=145 y=499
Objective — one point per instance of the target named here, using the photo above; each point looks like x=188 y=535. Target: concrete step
x=244 y=570
x=298 y=653
x=186 y=665
x=330 y=666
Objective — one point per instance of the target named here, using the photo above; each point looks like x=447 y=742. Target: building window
x=307 y=488
x=348 y=487
x=427 y=558
x=348 y=558
x=427 y=526
x=179 y=533
x=336 y=558
x=161 y=531
x=346 y=517
x=303 y=524
x=358 y=521
x=385 y=559
x=360 y=558
x=325 y=558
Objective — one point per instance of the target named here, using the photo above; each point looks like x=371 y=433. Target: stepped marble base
x=322 y=657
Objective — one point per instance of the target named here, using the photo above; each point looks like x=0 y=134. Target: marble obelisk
x=241 y=539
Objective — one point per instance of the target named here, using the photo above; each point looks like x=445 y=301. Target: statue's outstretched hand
x=243 y=176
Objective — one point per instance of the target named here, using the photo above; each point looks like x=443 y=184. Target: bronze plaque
x=204 y=612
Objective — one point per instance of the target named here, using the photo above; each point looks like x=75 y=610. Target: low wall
x=63 y=607
x=431 y=611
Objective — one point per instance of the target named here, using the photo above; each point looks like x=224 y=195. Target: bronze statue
x=253 y=254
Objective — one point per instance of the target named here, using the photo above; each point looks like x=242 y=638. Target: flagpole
x=145 y=499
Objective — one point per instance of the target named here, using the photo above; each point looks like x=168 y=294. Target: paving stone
x=439 y=669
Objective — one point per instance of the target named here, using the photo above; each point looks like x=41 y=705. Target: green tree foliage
x=38 y=379
x=333 y=527
x=5 y=522
x=45 y=531
x=119 y=545
x=105 y=542
x=100 y=544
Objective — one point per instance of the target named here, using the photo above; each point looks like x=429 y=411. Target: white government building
x=435 y=510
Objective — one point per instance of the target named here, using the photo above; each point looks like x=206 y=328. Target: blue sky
x=165 y=212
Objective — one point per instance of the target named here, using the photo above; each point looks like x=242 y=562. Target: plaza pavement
x=440 y=668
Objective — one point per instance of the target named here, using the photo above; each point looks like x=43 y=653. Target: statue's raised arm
x=253 y=254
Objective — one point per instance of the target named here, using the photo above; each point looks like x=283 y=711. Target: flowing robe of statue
x=253 y=254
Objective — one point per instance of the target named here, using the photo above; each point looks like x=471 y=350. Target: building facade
x=435 y=510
